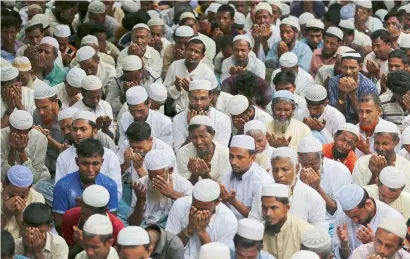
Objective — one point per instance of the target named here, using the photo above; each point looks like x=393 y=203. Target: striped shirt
x=392 y=110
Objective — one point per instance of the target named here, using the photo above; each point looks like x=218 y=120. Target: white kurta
x=323 y=73
x=178 y=68
x=62 y=94
x=151 y=59
x=403 y=152
x=221 y=228
x=111 y=166
x=384 y=65
x=210 y=50
x=263 y=158
x=27 y=99
x=221 y=124
x=362 y=39
x=275 y=37
x=254 y=65
x=334 y=118
x=302 y=82
x=222 y=102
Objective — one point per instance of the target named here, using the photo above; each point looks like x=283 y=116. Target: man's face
x=369 y=113
x=263 y=17
x=147 y=5
x=381 y=49
x=91 y=98
x=361 y=14
x=49 y=52
x=13 y=191
x=199 y=100
x=330 y=46
x=95 y=248
x=9 y=34
x=141 y=147
x=396 y=64
x=260 y=141
x=311 y=160
x=81 y=130
x=392 y=23
x=276 y=12
x=350 y=68
x=71 y=91
x=314 y=38
x=181 y=44
x=247 y=253
x=388 y=195
x=90 y=66
x=46 y=107
x=141 y=37
x=386 y=243
x=63 y=43
x=287 y=34
x=65 y=126
x=241 y=51
x=345 y=142
x=273 y=211
x=202 y=140
x=361 y=216
x=202 y=206
x=139 y=112
x=316 y=111
x=194 y=54
x=89 y=167
x=157 y=32
x=96 y=18
x=384 y=144
x=240 y=159
x=34 y=37
x=285 y=86
x=154 y=174
x=134 y=252
x=241 y=6
x=283 y=171
x=224 y=20
x=282 y=111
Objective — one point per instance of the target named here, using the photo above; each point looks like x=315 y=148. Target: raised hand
x=373 y=68
x=137 y=160
x=376 y=164
x=203 y=218
x=406 y=101
x=140 y=191
x=78 y=236
x=364 y=145
x=343 y=235
x=165 y=187
x=278 y=141
x=365 y=234
x=227 y=196
x=282 y=48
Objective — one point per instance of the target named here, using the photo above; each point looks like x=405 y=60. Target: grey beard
x=280 y=126
x=203 y=154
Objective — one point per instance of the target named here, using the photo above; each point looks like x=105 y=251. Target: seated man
x=70 y=188
x=23 y=145
x=97 y=14
x=202 y=157
x=404 y=152
x=224 y=23
x=171 y=248
x=27 y=77
x=136 y=241
x=153 y=196
x=9 y=28
x=69 y=91
x=312 y=31
x=62 y=33
x=158 y=41
x=17 y=194
x=375 y=63
x=92 y=41
x=363 y=19
x=38 y=241
x=157 y=93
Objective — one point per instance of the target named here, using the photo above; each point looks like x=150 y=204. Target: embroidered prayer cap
x=276 y=3
x=200 y=84
x=156 y=159
x=285 y=9
x=84 y=53
x=343 y=49
x=98 y=224
x=284 y=94
x=392 y=177
x=22 y=64
x=133 y=236
x=184 y=31
x=85 y=115
x=309 y=144
x=350 y=128
x=201 y=120
x=316 y=93
x=96 y=196
x=67 y=113
x=34 y=7
x=32 y=23
x=276 y=190
x=75 y=77
x=213 y=7
x=351 y=55
x=335 y=31
x=62 y=30
x=44 y=91
x=364 y=3
x=254 y=125
x=96 y=7
x=131 y=63
x=386 y=127
x=50 y=41
x=157 y=92
x=305 y=17
x=8 y=73
x=239 y=18
x=315 y=238
x=250 y=229
x=214 y=250
x=21 y=120
x=136 y=95
x=347 y=12
x=349 y=196
x=305 y=254
x=129 y=6
x=6 y=63
x=20 y=176
x=238 y=104
x=394 y=225
x=315 y=23
x=91 y=83
x=288 y=59
x=243 y=141
x=285 y=152
x=206 y=190
x=187 y=15
x=89 y=39
x=263 y=6
x=155 y=22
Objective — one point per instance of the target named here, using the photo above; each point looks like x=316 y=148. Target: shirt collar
x=47 y=245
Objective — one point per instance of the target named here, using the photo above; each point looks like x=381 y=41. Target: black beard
x=338 y=155
x=272 y=230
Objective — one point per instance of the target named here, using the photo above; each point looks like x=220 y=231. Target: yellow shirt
x=287 y=242
x=54 y=248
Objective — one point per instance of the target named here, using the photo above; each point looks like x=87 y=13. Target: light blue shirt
x=301 y=50
x=319 y=46
x=262 y=254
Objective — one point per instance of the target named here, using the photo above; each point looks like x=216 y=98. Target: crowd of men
x=205 y=129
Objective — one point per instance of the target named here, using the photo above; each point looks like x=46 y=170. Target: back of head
x=138 y=131
x=7 y=244
x=287 y=77
x=90 y=148
x=37 y=214
x=398 y=81
x=381 y=34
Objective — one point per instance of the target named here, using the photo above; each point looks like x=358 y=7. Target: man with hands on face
x=202 y=218
x=239 y=186
x=17 y=193
x=158 y=41
x=359 y=220
x=69 y=91
x=154 y=194
x=363 y=19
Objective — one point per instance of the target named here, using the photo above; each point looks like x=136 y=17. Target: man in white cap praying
x=69 y=91
x=405 y=137
x=62 y=34
x=305 y=202
x=303 y=19
x=92 y=41
x=239 y=185
x=312 y=30
x=134 y=242
x=389 y=189
x=355 y=39
x=97 y=238
x=203 y=157
x=190 y=219
x=284 y=129
x=154 y=193
x=363 y=19
x=26 y=72
x=368 y=167
x=200 y=96
x=182 y=72
x=141 y=35
x=289 y=29
x=214 y=250
x=13 y=95
x=157 y=93
x=360 y=220
x=138 y=104
x=242 y=59
x=388 y=242
x=283 y=232
x=23 y=145
x=376 y=63
x=34 y=32
x=158 y=41
x=317 y=241
x=97 y=14
x=92 y=102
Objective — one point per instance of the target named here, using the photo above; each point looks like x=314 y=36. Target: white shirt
x=372 y=23
x=158 y=206
x=178 y=68
x=111 y=166
x=210 y=50
x=151 y=59
x=403 y=152
x=165 y=44
x=161 y=126
x=275 y=37
x=302 y=82
x=362 y=174
x=62 y=94
x=219 y=162
x=334 y=118
x=222 y=102
x=384 y=65
x=221 y=228
x=27 y=99
x=254 y=65
x=221 y=124
x=305 y=203
x=323 y=73
x=246 y=188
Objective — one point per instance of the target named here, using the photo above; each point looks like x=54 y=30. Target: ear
x=253 y=157
x=95 y=131
x=297 y=168
x=110 y=241
x=102 y=161
x=170 y=169
x=397 y=141
x=77 y=162
x=326 y=103
x=287 y=207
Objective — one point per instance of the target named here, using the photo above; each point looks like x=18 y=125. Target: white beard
x=153 y=195
x=280 y=126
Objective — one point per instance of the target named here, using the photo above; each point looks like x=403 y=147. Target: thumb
x=324 y=122
x=290 y=138
x=345 y=226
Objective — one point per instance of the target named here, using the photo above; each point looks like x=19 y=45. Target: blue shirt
x=70 y=187
x=302 y=51
x=365 y=86
x=319 y=46
x=262 y=254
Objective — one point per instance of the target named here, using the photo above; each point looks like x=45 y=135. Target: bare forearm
x=141 y=172
x=5 y=121
x=135 y=219
x=239 y=206
x=176 y=195
x=108 y=132
x=124 y=167
x=344 y=252
x=23 y=156
x=54 y=143
x=11 y=158
x=331 y=205
x=204 y=237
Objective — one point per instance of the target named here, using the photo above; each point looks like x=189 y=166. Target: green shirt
x=56 y=76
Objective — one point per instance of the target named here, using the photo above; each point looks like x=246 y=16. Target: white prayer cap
x=96 y=7
x=343 y=49
x=131 y=63
x=386 y=127
x=243 y=141
x=288 y=59
x=85 y=115
x=201 y=84
x=155 y=22
x=285 y=152
x=351 y=55
x=62 y=30
x=213 y=8
x=406 y=136
x=395 y=226
x=305 y=254
x=96 y=196
x=284 y=94
x=42 y=18
x=8 y=73
x=285 y=9
x=85 y=53
x=292 y=22
x=32 y=23
x=187 y=15
x=206 y=190
x=350 y=128
x=89 y=39
x=349 y=196
x=34 y=7
x=141 y=25
x=67 y=113
x=136 y=95
x=201 y=120
x=75 y=77
x=275 y=190
x=316 y=238
x=5 y=63
x=157 y=92
x=305 y=17
x=381 y=13
x=91 y=83
x=98 y=224
x=263 y=6
x=347 y=24
x=243 y=37
x=44 y=91
x=364 y=3
x=316 y=93
x=184 y=31
x=407 y=8
x=403 y=7
x=197 y=38
x=21 y=120
x=129 y=6
x=239 y=18
x=254 y=125
x=237 y=104
x=309 y=144
x=335 y=31
x=315 y=23
x=153 y=14
x=156 y=159
x=133 y=236
x=392 y=177
x=50 y=41
x=214 y=250
x=250 y=229
x=22 y=64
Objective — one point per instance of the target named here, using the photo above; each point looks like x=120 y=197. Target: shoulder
x=180 y=116
x=299 y=222
x=182 y=203
x=58 y=242
x=109 y=154
x=65 y=181
x=161 y=116
x=303 y=47
x=106 y=181
x=317 y=52
x=300 y=125
x=364 y=159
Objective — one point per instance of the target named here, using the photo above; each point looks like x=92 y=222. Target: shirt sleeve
x=169 y=82
x=174 y=224
x=114 y=172
x=358 y=174
x=225 y=69
x=224 y=130
x=60 y=199
x=67 y=227
x=305 y=58
x=113 y=202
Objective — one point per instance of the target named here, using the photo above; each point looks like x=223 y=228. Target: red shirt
x=349 y=161
x=72 y=217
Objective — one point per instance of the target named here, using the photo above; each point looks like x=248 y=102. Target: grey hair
x=281 y=99
x=253 y=132
x=279 y=157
